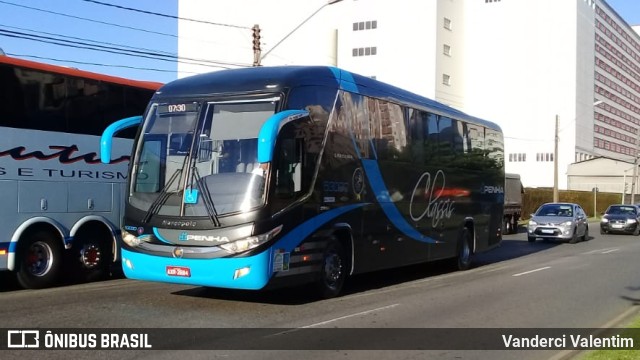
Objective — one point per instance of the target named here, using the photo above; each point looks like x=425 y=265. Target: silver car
x=563 y=221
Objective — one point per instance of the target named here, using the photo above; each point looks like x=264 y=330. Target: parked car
x=621 y=219
x=561 y=221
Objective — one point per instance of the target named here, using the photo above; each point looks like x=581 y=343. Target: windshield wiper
x=206 y=196
x=163 y=195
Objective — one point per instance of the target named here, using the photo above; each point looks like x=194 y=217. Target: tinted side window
x=39 y=100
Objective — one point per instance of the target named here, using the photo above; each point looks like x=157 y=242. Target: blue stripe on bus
x=391 y=211
x=294 y=237
x=345 y=79
x=159 y=237
x=374 y=175
x=7 y=246
x=269 y=133
x=220 y=272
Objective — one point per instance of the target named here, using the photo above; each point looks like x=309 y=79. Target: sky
x=28 y=26
x=77 y=23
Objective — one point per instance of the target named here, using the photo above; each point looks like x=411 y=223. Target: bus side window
x=289 y=169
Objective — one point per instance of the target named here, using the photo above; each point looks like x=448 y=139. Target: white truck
x=513 y=191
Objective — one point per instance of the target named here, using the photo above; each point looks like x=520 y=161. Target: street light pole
x=635 y=174
x=329 y=2
x=635 y=167
x=556 y=196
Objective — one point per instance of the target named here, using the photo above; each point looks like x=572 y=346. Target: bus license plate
x=181 y=271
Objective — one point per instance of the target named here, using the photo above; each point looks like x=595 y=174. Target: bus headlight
x=250 y=242
x=130 y=239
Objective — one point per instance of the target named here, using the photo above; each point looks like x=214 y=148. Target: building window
x=446 y=49
x=447 y=23
x=446 y=79
x=368 y=51
x=365 y=25
x=517 y=157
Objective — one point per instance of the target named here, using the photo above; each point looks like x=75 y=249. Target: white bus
x=61 y=207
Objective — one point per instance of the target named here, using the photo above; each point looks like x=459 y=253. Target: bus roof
x=281 y=78
x=77 y=73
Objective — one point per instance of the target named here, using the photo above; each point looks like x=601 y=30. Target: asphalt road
x=519 y=285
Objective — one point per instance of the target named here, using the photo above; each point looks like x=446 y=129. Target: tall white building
x=520 y=63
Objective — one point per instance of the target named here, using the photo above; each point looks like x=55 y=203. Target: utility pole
x=256 y=45
x=635 y=170
x=556 y=196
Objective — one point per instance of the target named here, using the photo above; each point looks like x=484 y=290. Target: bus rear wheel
x=93 y=256
x=333 y=271
x=39 y=261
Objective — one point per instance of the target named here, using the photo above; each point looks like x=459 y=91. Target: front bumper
x=618 y=227
x=551 y=232
x=220 y=272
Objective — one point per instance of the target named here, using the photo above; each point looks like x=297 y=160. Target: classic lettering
x=428 y=188
x=64 y=154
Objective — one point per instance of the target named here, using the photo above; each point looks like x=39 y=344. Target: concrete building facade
x=522 y=64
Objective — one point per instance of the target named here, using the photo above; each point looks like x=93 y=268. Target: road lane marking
x=336 y=319
x=349 y=316
x=610 y=251
x=532 y=271
x=600 y=251
x=494 y=269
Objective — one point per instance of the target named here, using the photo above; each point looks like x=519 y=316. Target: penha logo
x=64 y=154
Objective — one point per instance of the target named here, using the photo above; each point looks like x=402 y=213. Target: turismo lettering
x=66 y=173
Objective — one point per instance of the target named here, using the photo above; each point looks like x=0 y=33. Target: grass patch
x=628 y=354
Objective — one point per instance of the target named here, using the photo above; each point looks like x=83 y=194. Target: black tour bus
x=280 y=175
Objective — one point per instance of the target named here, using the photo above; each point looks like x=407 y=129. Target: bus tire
x=463 y=257
x=39 y=261
x=92 y=257
x=507 y=226
x=333 y=270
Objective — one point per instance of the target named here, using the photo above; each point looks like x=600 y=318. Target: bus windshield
x=200 y=159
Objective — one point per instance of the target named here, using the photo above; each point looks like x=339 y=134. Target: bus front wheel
x=39 y=261
x=333 y=270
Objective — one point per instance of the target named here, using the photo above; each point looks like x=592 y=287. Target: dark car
x=562 y=221
x=621 y=219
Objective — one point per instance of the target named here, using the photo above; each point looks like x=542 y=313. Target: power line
x=93 y=41
x=166 y=15
x=117 y=50
x=92 y=63
x=86 y=19
x=106 y=23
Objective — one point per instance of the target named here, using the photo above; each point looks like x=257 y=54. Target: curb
x=620 y=321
